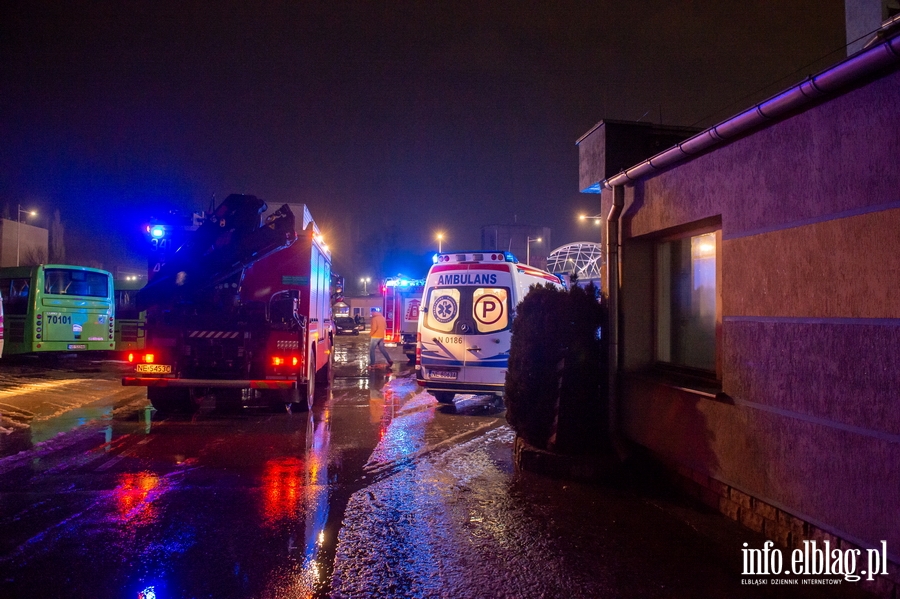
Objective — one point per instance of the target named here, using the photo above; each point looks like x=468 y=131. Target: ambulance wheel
x=166 y=400
x=444 y=396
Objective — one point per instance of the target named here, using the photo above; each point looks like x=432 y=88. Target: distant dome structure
x=581 y=257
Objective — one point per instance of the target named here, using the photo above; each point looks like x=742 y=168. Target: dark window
x=15 y=295
x=64 y=281
x=126 y=304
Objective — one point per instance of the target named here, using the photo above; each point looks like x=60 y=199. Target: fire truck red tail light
x=295 y=360
x=130 y=357
x=418 y=348
x=149 y=358
x=277 y=360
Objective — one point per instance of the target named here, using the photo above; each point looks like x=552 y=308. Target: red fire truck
x=402 y=298
x=236 y=309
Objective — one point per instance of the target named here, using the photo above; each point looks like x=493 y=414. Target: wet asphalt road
x=379 y=492
x=102 y=497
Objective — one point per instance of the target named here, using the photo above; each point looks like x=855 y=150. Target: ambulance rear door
x=466 y=327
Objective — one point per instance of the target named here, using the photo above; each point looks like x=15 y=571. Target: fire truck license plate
x=154 y=368
x=443 y=374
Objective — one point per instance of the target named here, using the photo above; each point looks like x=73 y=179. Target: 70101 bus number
x=59 y=319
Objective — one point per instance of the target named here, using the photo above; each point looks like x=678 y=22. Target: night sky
x=391 y=120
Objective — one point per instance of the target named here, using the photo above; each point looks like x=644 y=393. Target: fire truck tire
x=444 y=396
x=323 y=376
x=177 y=399
x=311 y=381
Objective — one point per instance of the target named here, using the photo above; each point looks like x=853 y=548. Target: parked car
x=344 y=325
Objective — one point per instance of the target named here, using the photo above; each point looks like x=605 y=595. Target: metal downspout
x=612 y=261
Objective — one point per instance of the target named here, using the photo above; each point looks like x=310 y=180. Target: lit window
x=686 y=302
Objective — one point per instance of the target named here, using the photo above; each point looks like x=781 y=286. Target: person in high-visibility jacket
x=377 y=329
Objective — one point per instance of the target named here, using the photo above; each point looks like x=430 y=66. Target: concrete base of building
x=784 y=529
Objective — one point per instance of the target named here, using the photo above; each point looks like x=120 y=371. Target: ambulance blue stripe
x=480 y=363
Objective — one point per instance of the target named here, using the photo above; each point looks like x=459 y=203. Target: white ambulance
x=468 y=304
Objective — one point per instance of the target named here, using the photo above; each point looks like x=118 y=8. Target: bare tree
x=33 y=256
x=57 y=239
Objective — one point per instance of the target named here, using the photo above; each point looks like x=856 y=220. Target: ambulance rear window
x=444 y=309
x=467 y=310
x=490 y=309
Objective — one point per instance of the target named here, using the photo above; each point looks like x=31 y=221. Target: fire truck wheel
x=444 y=396
x=170 y=400
x=311 y=381
x=323 y=376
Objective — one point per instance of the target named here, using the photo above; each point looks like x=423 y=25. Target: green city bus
x=57 y=308
x=129 y=323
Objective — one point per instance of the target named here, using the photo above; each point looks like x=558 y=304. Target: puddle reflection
x=297 y=490
x=135 y=495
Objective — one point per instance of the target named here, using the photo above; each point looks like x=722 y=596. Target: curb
x=581 y=468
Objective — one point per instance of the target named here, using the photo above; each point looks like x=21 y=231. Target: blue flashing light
x=434 y=259
x=157 y=231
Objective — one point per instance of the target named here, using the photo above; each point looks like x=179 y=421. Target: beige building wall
x=800 y=436
x=32 y=243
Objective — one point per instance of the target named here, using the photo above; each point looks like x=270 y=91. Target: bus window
x=15 y=295
x=60 y=281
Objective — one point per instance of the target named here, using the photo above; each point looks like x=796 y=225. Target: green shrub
x=556 y=382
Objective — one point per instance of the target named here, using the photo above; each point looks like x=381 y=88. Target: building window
x=686 y=301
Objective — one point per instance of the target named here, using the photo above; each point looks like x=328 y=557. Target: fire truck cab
x=402 y=299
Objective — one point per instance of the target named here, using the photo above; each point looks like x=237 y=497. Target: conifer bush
x=556 y=381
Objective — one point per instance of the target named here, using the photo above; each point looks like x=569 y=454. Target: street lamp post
x=596 y=218
x=19 y=213
x=365 y=281
x=528 y=242
x=440 y=238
